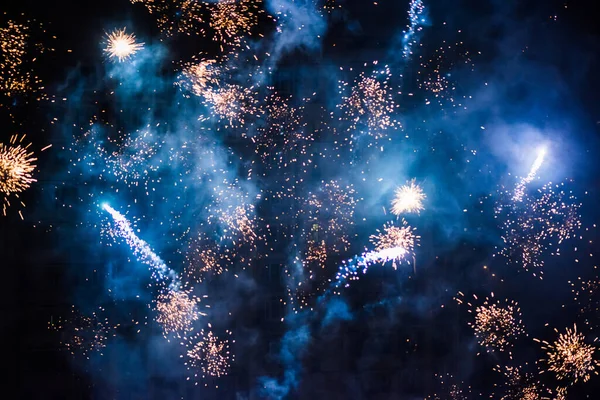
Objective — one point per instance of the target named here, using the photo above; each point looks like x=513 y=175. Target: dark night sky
x=403 y=327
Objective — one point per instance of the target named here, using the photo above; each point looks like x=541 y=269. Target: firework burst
x=569 y=357
x=497 y=323
x=177 y=311
x=408 y=199
x=16 y=169
x=209 y=354
x=395 y=237
x=121 y=45
x=198 y=77
x=540 y=221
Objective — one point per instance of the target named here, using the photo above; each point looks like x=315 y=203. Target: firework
x=416 y=20
x=141 y=249
x=207 y=352
x=18 y=53
x=177 y=310
x=435 y=75
x=81 y=334
x=349 y=270
x=16 y=168
x=330 y=214
x=408 y=199
x=520 y=188
x=541 y=220
x=120 y=45
x=13 y=40
x=370 y=103
x=183 y=16
x=586 y=294
x=521 y=385
x=202 y=261
x=569 y=357
x=230 y=19
x=199 y=76
x=395 y=237
x=231 y=102
x=497 y=323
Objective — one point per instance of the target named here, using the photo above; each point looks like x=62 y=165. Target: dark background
x=388 y=351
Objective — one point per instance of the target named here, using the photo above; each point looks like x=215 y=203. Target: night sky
x=255 y=190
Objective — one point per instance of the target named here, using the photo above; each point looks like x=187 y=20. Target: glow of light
x=121 y=45
x=408 y=199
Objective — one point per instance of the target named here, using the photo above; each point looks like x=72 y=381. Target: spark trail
x=520 y=188
x=349 y=271
x=416 y=19
x=142 y=250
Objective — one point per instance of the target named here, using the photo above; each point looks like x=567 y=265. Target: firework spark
x=177 y=311
x=83 y=334
x=142 y=250
x=521 y=385
x=16 y=168
x=416 y=19
x=538 y=222
x=121 y=46
x=230 y=19
x=208 y=353
x=370 y=104
x=390 y=247
x=520 y=188
x=183 y=16
x=497 y=323
x=198 y=77
x=569 y=357
x=408 y=199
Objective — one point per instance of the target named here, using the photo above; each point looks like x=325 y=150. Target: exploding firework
x=18 y=53
x=370 y=104
x=121 y=46
x=16 y=168
x=177 y=311
x=232 y=103
x=497 y=323
x=385 y=251
x=395 y=237
x=202 y=261
x=231 y=19
x=408 y=199
x=540 y=221
x=569 y=357
x=198 y=77
x=208 y=353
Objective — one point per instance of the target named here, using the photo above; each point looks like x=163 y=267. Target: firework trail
x=520 y=188
x=142 y=250
x=349 y=271
x=417 y=19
